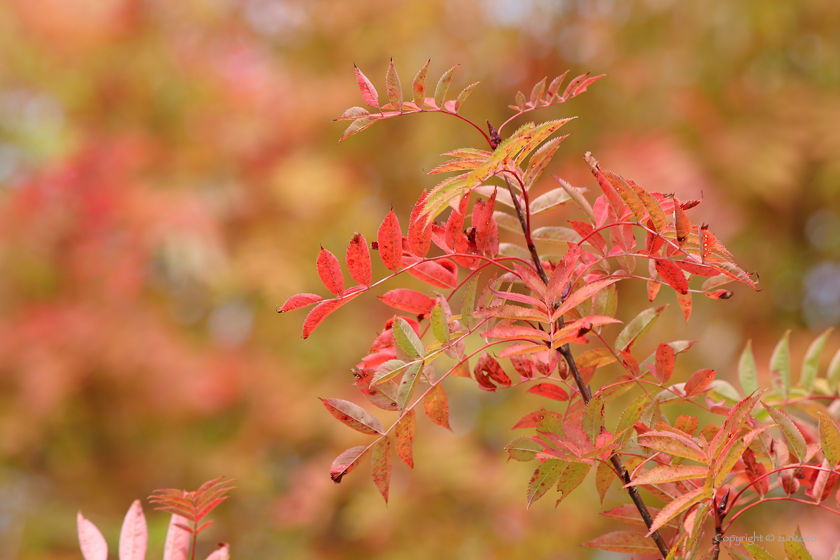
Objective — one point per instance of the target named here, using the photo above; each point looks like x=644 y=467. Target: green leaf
x=593 y=418
x=443 y=86
x=796 y=442
x=829 y=440
x=795 y=548
x=463 y=96
x=395 y=94
x=549 y=200
x=543 y=479
x=388 y=370
x=408 y=384
x=407 y=339
x=418 y=87
x=630 y=416
x=747 y=375
x=757 y=552
x=780 y=366
x=523 y=449
x=737 y=554
x=812 y=361
x=468 y=305
x=604 y=475
x=440 y=327
x=833 y=374
x=358 y=125
x=570 y=478
x=638 y=327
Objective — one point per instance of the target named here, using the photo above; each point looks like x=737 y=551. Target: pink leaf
x=177 y=544
x=222 y=553
x=134 y=534
x=368 y=91
x=321 y=311
x=346 y=462
x=91 y=541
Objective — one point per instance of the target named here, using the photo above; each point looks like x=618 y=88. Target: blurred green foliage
x=168 y=171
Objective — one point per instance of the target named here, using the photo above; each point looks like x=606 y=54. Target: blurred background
x=168 y=171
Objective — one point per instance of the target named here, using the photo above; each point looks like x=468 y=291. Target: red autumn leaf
x=549 y=390
x=389 y=240
x=698 y=381
x=404 y=438
x=754 y=471
x=672 y=274
x=330 y=272
x=685 y=304
x=298 y=301
x=487 y=370
x=719 y=294
x=381 y=463
x=419 y=232
x=698 y=269
x=516 y=331
x=665 y=360
x=612 y=195
x=320 y=312
x=562 y=275
x=595 y=239
x=532 y=419
x=481 y=218
x=358 y=260
x=436 y=406
x=369 y=93
x=408 y=300
x=346 y=462
x=354 y=416
x=707 y=242
x=681 y=223
x=441 y=273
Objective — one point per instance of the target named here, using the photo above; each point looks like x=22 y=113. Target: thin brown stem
x=585 y=393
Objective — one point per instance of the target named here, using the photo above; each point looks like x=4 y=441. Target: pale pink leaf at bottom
x=222 y=553
x=91 y=541
x=134 y=534
x=177 y=540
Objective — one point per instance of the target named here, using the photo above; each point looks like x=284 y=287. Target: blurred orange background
x=168 y=171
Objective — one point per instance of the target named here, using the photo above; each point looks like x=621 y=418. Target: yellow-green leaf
x=780 y=366
x=796 y=441
x=812 y=361
x=829 y=440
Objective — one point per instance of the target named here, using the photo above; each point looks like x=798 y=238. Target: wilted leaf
x=347 y=461
x=463 y=96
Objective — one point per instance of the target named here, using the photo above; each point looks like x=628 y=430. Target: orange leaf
x=698 y=381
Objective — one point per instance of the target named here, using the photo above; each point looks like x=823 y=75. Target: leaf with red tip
x=390 y=242
x=321 y=311
x=347 y=461
x=436 y=406
x=673 y=275
x=404 y=438
x=330 y=272
x=177 y=544
x=665 y=360
x=381 y=463
x=369 y=93
x=354 y=416
x=419 y=232
x=395 y=94
x=408 y=300
x=298 y=301
x=549 y=390
x=91 y=541
x=134 y=534
x=221 y=553
x=698 y=381
x=358 y=260
x=481 y=218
